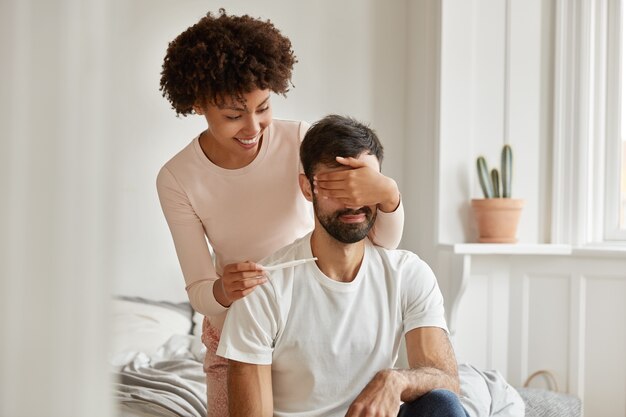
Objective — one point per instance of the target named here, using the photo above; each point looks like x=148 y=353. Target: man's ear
x=305 y=186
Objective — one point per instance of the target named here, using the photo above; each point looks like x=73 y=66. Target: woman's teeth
x=248 y=141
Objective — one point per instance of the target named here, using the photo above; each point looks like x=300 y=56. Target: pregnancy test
x=288 y=264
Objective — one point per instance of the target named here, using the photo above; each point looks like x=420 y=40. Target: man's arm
x=433 y=365
x=249 y=390
x=432 y=362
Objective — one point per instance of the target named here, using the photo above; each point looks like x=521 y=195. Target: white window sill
x=508 y=249
x=533 y=249
x=601 y=251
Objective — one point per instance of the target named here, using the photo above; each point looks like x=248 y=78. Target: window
x=622 y=221
x=615 y=191
x=589 y=183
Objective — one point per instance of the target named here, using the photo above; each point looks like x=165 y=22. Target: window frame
x=586 y=121
x=612 y=229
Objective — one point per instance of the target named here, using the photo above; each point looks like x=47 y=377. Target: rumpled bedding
x=168 y=384
x=488 y=394
x=171 y=383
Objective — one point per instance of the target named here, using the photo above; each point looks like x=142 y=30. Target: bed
x=157 y=356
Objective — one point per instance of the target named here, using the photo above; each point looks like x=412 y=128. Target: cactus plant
x=495 y=180
x=490 y=184
x=497 y=215
x=507 y=170
x=483 y=176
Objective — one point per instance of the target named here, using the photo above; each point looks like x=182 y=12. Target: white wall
x=54 y=253
x=495 y=89
x=422 y=128
x=351 y=61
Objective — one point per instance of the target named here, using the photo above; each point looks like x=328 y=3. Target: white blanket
x=487 y=394
x=171 y=383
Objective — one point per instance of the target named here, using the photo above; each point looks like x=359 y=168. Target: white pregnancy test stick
x=288 y=264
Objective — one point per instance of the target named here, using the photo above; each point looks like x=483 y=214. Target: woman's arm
x=387 y=231
x=191 y=245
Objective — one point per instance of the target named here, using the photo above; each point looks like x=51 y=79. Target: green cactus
x=498 y=184
x=507 y=170
x=483 y=176
x=495 y=180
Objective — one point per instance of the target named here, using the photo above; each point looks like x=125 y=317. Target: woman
x=236 y=184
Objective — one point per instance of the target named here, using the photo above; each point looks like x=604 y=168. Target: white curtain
x=53 y=208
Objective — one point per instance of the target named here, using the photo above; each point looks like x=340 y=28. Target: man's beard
x=346 y=232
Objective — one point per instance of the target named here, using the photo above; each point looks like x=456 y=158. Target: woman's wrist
x=219 y=292
x=393 y=201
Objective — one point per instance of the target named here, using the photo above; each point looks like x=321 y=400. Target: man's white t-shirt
x=325 y=339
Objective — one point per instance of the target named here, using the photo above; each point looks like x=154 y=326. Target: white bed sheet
x=157 y=358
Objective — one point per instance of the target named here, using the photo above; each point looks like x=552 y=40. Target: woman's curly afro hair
x=225 y=56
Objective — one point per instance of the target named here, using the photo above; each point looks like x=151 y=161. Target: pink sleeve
x=387 y=231
x=191 y=245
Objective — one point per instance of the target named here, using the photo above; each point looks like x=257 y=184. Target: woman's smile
x=249 y=142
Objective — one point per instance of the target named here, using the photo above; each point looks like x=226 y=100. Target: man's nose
x=352 y=207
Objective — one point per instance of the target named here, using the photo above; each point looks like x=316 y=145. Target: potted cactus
x=497 y=215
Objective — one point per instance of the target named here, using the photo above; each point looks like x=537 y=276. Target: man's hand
x=237 y=281
x=363 y=185
x=380 y=397
x=433 y=365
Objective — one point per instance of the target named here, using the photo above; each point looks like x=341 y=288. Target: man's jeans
x=437 y=403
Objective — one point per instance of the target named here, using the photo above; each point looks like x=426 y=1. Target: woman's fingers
x=247 y=286
x=347 y=188
x=363 y=186
x=251 y=282
x=242 y=267
x=246 y=289
x=334 y=178
x=350 y=162
x=240 y=279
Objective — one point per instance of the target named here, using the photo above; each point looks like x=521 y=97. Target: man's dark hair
x=222 y=57
x=335 y=136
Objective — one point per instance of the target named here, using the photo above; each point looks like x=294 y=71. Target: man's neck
x=338 y=261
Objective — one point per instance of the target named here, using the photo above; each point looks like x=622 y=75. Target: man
x=320 y=338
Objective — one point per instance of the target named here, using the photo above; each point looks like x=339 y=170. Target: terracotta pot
x=497 y=219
